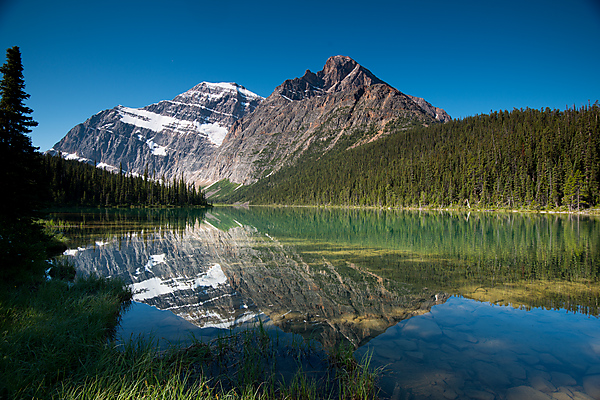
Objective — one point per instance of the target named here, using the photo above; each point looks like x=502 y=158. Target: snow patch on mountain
x=73 y=156
x=158 y=123
x=154 y=122
x=234 y=87
x=215 y=91
x=215 y=132
x=156 y=149
x=107 y=167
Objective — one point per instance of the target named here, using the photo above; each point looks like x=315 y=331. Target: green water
x=492 y=256
x=446 y=301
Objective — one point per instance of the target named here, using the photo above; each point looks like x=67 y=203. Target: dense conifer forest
x=73 y=183
x=525 y=158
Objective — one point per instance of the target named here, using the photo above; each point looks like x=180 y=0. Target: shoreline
x=587 y=212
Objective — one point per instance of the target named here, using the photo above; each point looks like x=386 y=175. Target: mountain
x=343 y=104
x=223 y=131
x=168 y=138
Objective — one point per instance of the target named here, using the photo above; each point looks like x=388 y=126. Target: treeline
x=73 y=183
x=526 y=158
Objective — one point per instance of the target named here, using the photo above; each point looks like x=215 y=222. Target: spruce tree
x=18 y=162
x=21 y=249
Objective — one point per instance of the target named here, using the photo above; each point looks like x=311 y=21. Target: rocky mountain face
x=223 y=131
x=168 y=138
x=343 y=103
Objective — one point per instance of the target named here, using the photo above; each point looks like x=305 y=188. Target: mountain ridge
x=339 y=73
x=217 y=131
x=313 y=111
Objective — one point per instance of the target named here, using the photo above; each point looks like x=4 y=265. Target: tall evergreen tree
x=21 y=249
x=18 y=161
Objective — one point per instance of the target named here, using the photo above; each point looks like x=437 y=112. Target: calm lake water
x=448 y=305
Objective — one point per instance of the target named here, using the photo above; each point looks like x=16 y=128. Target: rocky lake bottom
x=464 y=349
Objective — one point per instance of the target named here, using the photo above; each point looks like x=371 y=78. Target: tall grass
x=49 y=331
x=230 y=367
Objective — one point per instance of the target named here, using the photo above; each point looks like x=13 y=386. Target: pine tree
x=21 y=251
x=19 y=163
x=15 y=121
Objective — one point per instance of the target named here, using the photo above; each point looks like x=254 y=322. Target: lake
x=448 y=304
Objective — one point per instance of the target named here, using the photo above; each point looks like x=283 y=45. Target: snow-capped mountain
x=166 y=138
x=218 y=131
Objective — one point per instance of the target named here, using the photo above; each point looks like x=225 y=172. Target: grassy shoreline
x=58 y=342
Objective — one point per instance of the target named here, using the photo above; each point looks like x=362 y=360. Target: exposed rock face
x=438 y=113
x=344 y=101
x=170 y=137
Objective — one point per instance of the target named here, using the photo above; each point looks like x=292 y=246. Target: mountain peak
x=339 y=73
x=216 y=92
x=222 y=130
x=337 y=67
x=343 y=73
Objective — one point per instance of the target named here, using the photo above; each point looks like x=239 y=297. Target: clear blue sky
x=468 y=57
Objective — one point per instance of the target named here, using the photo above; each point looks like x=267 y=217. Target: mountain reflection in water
x=351 y=275
x=217 y=272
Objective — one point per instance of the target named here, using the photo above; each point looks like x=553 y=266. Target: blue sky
x=468 y=57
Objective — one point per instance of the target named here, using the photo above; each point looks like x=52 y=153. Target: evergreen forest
x=522 y=159
x=73 y=183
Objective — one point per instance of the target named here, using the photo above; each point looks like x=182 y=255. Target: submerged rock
x=591 y=385
x=525 y=393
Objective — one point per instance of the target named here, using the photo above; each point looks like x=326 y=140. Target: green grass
x=57 y=342
x=245 y=365
x=50 y=330
x=220 y=190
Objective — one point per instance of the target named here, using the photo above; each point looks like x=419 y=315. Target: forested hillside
x=526 y=158
x=73 y=183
